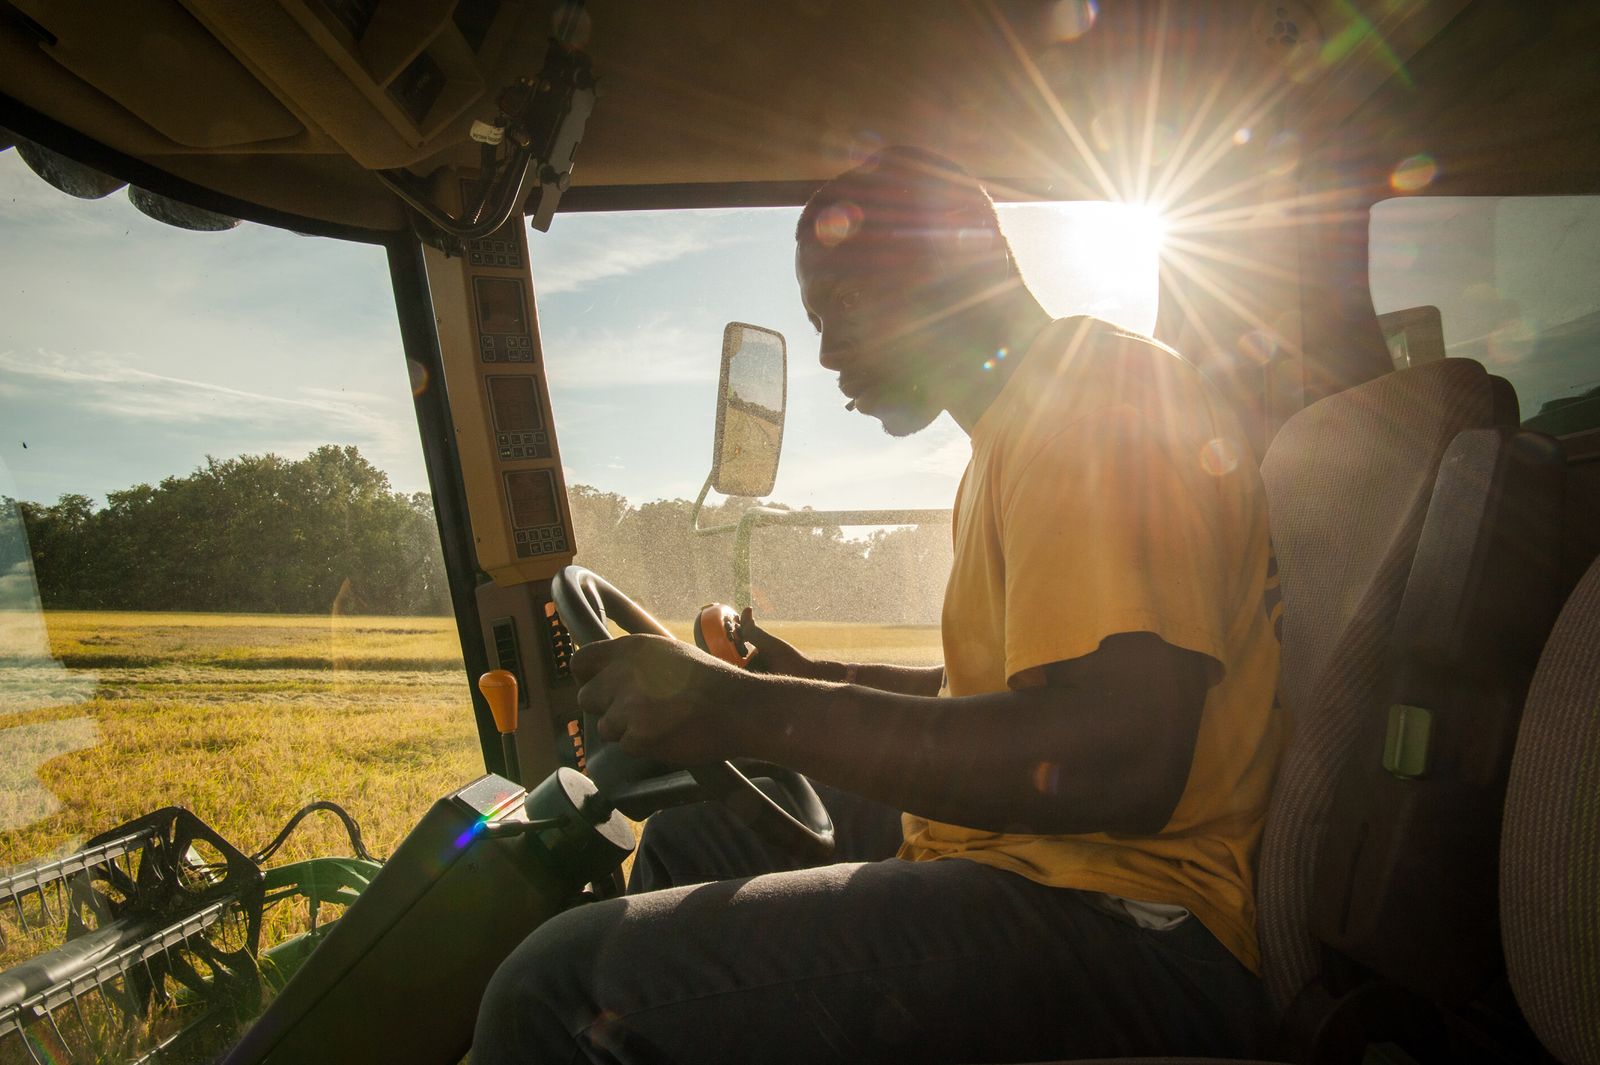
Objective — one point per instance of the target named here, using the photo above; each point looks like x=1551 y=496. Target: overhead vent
x=418 y=87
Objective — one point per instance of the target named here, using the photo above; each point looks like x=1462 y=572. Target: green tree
x=252 y=533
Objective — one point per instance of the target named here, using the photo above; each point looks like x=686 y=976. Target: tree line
x=328 y=533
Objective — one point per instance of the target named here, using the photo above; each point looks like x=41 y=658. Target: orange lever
x=499 y=688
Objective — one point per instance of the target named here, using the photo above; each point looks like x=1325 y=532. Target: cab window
x=1515 y=281
x=632 y=308
x=222 y=586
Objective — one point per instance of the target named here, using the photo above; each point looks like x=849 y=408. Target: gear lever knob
x=499 y=688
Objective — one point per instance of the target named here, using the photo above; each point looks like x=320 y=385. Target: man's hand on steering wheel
x=662 y=699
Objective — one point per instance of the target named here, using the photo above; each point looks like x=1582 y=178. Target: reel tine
x=22 y=918
x=44 y=904
x=82 y=1020
x=27 y=1044
x=155 y=985
x=61 y=1036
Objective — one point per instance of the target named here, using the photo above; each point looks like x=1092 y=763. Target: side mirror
x=750 y=405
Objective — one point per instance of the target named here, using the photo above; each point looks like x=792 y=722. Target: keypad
x=544 y=540
x=493 y=348
x=534 y=445
x=491 y=252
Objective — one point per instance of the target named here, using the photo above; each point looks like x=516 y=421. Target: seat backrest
x=1407 y=872
x=1550 y=840
x=1348 y=482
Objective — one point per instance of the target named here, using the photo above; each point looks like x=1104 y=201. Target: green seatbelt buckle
x=1405 y=748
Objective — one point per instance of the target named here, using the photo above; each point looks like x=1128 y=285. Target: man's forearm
x=907 y=680
x=1049 y=760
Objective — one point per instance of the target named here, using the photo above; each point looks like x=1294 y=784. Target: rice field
x=243 y=719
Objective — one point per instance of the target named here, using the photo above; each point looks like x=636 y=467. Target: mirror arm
x=741 y=549
x=694 y=512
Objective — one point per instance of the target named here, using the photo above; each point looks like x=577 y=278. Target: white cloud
x=230 y=420
x=616 y=258
x=100 y=384
x=166 y=346
x=656 y=352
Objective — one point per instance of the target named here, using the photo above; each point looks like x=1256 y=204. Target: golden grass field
x=245 y=718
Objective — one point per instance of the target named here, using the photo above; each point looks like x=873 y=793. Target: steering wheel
x=585 y=600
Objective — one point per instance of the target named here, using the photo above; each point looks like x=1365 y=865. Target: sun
x=1147 y=224
x=1090 y=257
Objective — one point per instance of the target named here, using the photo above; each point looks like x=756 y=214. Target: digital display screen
x=500 y=306
x=533 y=499
x=514 y=402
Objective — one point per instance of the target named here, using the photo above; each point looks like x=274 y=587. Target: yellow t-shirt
x=1111 y=490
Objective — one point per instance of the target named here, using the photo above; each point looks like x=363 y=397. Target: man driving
x=1084 y=782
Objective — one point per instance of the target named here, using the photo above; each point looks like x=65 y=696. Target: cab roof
x=279 y=110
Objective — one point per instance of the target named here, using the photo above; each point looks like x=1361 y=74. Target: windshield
x=222 y=584
x=632 y=309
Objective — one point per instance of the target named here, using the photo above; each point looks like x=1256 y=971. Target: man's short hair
x=902 y=191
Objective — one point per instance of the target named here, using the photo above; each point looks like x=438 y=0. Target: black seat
x=1401 y=841
x=1407 y=870
x=1348 y=482
x=1550 y=842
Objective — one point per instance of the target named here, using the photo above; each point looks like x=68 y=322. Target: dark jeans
x=868 y=960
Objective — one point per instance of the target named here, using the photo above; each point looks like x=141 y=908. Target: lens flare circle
x=1259 y=346
x=1071 y=19
x=837 y=224
x=419 y=377
x=1414 y=173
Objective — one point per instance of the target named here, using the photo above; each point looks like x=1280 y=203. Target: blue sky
x=130 y=350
